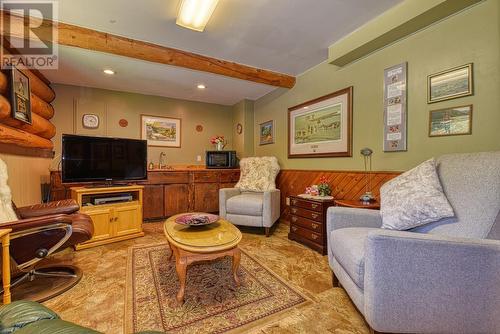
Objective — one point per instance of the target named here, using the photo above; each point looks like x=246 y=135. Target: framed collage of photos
x=395 y=108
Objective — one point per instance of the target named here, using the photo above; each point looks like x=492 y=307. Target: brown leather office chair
x=40 y=231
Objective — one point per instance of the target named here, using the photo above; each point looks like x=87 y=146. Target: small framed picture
x=450 y=121
x=450 y=84
x=266 y=132
x=20 y=96
x=161 y=131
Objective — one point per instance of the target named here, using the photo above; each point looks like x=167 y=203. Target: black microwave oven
x=221 y=159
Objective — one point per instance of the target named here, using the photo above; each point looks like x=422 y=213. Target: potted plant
x=219 y=142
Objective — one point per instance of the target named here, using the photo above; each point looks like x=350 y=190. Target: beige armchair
x=254 y=201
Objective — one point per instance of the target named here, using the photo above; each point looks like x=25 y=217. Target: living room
x=342 y=162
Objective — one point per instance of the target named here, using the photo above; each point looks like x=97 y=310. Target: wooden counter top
x=191 y=169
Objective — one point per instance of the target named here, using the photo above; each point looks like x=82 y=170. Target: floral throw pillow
x=258 y=174
x=414 y=198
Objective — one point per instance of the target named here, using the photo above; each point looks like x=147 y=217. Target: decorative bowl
x=196 y=219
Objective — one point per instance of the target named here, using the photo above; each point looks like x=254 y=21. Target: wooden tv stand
x=112 y=221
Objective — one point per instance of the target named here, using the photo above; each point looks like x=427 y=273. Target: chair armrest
x=67 y=206
x=224 y=195
x=271 y=207
x=341 y=217
x=431 y=283
x=24 y=224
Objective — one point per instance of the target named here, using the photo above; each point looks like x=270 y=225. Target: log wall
x=36 y=135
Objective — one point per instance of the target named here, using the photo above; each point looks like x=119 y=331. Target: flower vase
x=219 y=146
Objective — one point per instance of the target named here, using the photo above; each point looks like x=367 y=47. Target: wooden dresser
x=308 y=222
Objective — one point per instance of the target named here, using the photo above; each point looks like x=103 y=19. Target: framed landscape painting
x=161 y=131
x=450 y=121
x=450 y=84
x=321 y=127
x=266 y=133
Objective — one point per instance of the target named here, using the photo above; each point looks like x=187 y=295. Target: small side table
x=355 y=203
x=5 y=239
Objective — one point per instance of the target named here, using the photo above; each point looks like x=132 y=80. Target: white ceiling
x=287 y=36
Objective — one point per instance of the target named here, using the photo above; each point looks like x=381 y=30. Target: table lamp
x=367 y=197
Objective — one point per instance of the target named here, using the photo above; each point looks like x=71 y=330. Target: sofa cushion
x=258 y=174
x=471 y=182
x=414 y=198
x=348 y=248
x=249 y=204
x=57 y=326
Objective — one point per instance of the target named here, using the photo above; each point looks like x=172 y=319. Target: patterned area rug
x=213 y=304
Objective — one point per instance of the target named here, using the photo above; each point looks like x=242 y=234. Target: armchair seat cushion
x=248 y=204
x=348 y=248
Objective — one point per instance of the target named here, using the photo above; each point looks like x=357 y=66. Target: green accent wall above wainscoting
x=471 y=36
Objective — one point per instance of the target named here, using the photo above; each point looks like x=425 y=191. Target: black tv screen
x=87 y=159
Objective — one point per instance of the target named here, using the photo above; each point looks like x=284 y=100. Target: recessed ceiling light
x=201 y=86
x=194 y=14
x=109 y=72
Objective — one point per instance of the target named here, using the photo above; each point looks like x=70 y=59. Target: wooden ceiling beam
x=88 y=39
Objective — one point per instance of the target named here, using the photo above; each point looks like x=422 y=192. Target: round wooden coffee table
x=201 y=243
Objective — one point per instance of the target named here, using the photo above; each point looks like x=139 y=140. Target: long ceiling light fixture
x=194 y=14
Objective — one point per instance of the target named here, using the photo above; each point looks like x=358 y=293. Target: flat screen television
x=86 y=159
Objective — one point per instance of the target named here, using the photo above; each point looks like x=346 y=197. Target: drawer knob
x=314 y=226
x=294 y=210
x=314 y=236
x=294 y=219
x=294 y=229
x=314 y=206
x=314 y=215
x=294 y=201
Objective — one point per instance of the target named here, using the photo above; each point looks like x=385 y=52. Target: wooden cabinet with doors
x=112 y=221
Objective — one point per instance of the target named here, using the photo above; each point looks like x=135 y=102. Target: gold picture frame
x=452 y=121
x=266 y=133
x=161 y=131
x=450 y=84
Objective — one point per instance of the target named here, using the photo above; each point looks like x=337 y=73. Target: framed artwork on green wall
x=321 y=127
x=266 y=133
x=450 y=84
x=161 y=131
x=450 y=121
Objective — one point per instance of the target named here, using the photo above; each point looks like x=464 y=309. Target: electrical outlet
x=287 y=201
x=198 y=158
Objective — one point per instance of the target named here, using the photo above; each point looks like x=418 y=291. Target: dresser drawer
x=306 y=223
x=313 y=215
x=306 y=204
x=305 y=233
x=204 y=177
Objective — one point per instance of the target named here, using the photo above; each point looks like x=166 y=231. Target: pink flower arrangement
x=321 y=189
x=217 y=139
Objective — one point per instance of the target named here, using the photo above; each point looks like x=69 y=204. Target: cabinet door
x=153 y=202
x=176 y=199
x=127 y=220
x=206 y=197
x=102 y=221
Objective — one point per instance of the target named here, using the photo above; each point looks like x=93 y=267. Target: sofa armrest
x=429 y=283
x=67 y=206
x=22 y=313
x=271 y=207
x=224 y=195
x=342 y=217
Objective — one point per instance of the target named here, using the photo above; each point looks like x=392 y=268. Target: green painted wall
x=243 y=142
x=470 y=36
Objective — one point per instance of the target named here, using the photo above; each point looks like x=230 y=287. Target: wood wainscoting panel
x=344 y=184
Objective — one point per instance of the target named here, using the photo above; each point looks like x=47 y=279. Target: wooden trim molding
x=26 y=151
x=84 y=38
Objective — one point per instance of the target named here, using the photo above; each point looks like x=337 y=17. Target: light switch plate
x=198 y=158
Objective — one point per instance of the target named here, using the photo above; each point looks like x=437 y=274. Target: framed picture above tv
x=321 y=127
x=450 y=84
x=161 y=131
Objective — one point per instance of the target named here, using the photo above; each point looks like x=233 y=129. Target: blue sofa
x=443 y=277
